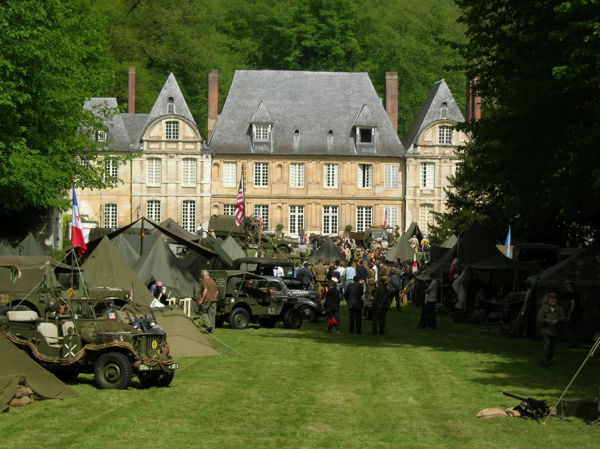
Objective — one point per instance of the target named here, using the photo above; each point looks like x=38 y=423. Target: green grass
x=412 y=388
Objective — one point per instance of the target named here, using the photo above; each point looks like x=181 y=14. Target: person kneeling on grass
x=332 y=306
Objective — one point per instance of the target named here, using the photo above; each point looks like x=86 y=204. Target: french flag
x=77 y=239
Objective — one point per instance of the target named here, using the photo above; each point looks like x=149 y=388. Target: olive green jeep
x=246 y=298
x=93 y=336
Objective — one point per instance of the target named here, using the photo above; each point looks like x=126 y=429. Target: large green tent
x=328 y=251
x=162 y=265
x=6 y=249
x=125 y=249
x=105 y=267
x=30 y=247
x=402 y=250
x=16 y=364
x=172 y=226
x=185 y=339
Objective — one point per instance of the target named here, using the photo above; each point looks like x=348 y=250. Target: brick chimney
x=473 y=110
x=213 y=100
x=391 y=97
x=131 y=96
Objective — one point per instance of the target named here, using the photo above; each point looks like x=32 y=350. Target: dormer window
x=261 y=132
x=170 y=106
x=365 y=135
x=444 y=110
x=101 y=136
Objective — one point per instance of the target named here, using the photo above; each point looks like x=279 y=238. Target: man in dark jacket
x=306 y=276
x=332 y=306
x=381 y=304
x=354 y=298
x=549 y=316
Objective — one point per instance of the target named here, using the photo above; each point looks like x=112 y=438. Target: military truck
x=223 y=226
x=246 y=298
x=93 y=336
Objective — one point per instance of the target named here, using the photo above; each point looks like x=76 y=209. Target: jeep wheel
x=156 y=379
x=309 y=314
x=239 y=318
x=112 y=371
x=292 y=319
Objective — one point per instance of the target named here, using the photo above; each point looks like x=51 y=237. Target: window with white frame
x=296 y=219
x=390 y=216
x=111 y=169
x=330 y=176
x=154 y=173
x=427 y=175
x=188 y=172
x=228 y=209
x=262 y=211
x=390 y=176
x=425 y=217
x=110 y=216
x=445 y=135
x=172 y=130
x=261 y=174
x=229 y=174
x=457 y=168
x=153 y=210
x=330 y=220
x=364 y=218
x=365 y=176
x=188 y=215
x=296 y=175
x=261 y=131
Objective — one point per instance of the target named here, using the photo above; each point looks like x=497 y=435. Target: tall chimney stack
x=473 y=111
x=131 y=96
x=213 y=100
x=391 y=98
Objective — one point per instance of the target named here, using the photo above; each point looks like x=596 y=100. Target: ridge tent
x=172 y=226
x=328 y=251
x=402 y=249
x=30 y=247
x=184 y=338
x=125 y=249
x=162 y=265
x=16 y=364
x=106 y=268
x=6 y=249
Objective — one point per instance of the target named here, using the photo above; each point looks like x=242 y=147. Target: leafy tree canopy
x=533 y=159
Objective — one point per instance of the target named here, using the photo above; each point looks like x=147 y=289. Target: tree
x=52 y=58
x=533 y=159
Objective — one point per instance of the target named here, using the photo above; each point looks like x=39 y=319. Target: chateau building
x=317 y=151
x=169 y=176
x=431 y=156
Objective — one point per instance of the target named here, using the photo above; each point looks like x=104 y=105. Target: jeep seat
x=22 y=315
x=50 y=333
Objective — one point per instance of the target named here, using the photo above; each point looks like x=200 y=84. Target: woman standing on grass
x=332 y=306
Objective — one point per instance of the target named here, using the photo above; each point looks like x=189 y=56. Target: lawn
x=277 y=388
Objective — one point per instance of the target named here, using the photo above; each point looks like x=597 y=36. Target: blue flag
x=508 y=245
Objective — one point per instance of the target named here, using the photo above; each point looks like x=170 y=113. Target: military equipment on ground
x=533 y=408
x=93 y=336
x=246 y=298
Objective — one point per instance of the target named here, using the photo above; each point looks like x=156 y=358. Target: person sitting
x=158 y=292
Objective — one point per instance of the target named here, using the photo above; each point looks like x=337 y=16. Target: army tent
x=125 y=249
x=232 y=249
x=402 y=250
x=184 y=338
x=162 y=265
x=6 y=249
x=16 y=364
x=142 y=244
x=106 y=268
x=328 y=251
x=170 y=225
x=30 y=247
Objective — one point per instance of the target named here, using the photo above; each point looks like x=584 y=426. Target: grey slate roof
x=314 y=103
x=431 y=112
x=124 y=129
x=170 y=90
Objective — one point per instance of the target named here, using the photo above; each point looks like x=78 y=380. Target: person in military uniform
x=320 y=271
x=549 y=316
x=381 y=304
x=354 y=298
x=370 y=290
x=208 y=301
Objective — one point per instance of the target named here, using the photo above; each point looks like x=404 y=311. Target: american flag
x=386 y=219
x=240 y=204
x=138 y=211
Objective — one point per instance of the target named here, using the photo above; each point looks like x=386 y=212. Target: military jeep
x=246 y=298
x=94 y=336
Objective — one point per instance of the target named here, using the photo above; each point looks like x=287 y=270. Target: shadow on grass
x=505 y=361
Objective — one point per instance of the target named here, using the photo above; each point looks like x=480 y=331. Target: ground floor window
x=110 y=216
x=364 y=218
x=330 y=220
x=390 y=216
x=261 y=211
x=188 y=215
x=296 y=219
